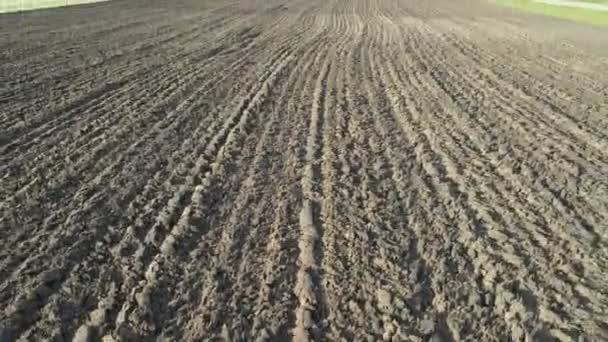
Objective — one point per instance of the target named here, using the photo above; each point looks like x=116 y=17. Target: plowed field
x=331 y=170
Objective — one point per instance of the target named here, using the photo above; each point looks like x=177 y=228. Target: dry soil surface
x=328 y=170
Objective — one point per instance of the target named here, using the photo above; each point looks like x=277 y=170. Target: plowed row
x=309 y=170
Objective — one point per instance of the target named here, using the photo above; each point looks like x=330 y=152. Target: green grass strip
x=7 y=6
x=583 y=15
x=604 y=2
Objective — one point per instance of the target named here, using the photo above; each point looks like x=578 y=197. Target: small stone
x=414 y=338
x=389 y=328
x=376 y=323
x=427 y=326
x=380 y=263
x=384 y=299
x=98 y=316
x=84 y=334
x=399 y=303
x=108 y=338
x=263 y=336
x=143 y=298
x=226 y=333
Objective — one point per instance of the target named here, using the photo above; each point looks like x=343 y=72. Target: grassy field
x=594 y=17
x=7 y=6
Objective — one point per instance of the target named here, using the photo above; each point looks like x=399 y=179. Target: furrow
x=533 y=229
x=73 y=109
x=178 y=178
x=563 y=204
x=93 y=130
x=134 y=318
x=439 y=187
x=307 y=287
x=165 y=125
x=545 y=100
x=279 y=269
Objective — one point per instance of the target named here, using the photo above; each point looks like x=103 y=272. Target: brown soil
x=336 y=170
